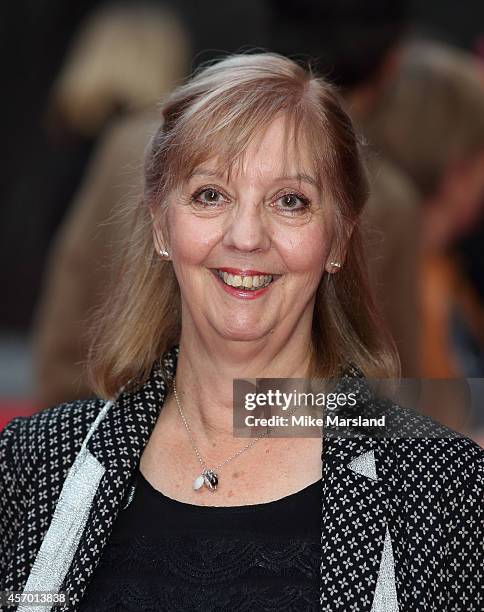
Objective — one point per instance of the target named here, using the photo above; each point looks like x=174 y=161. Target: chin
x=243 y=334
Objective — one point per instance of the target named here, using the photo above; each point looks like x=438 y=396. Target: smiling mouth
x=244 y=281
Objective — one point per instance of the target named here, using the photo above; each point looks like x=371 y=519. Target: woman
x=242 y=261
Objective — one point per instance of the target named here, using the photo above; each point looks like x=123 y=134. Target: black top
x=164 y=554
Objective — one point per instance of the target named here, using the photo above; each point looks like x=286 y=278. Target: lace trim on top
x=192 y=567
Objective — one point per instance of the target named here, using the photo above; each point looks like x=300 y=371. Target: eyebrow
x=302 y=177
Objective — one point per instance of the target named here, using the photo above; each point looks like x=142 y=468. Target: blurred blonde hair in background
x=124 y=56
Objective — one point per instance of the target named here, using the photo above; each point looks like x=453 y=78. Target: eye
x=290 y=202
x=207 y=196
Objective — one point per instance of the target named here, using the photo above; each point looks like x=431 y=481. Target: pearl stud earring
x=164 y=253
x=335 y=264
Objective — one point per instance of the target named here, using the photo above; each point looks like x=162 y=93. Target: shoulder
x=425 y=455
x=36 y=453
x=412 y=450
x=52 y=435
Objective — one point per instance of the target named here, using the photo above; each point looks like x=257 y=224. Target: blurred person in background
x=357 y=45
x=431 y=120
x=125 y=57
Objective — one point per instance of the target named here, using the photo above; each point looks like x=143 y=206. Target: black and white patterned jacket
x=401 y=526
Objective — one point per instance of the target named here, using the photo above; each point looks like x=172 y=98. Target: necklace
x=209 y=477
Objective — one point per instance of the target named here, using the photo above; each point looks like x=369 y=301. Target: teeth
x=245 y=282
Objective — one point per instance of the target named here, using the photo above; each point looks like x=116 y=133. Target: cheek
x=191 y=239
x=305 y=250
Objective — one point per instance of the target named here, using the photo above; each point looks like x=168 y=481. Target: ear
x=154 y=210
x=337 y=254
x=157 y=230
x=157 y=241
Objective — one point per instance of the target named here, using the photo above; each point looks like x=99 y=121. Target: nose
x=246 y=229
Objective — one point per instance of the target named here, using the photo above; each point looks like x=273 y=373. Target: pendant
x=208 y=478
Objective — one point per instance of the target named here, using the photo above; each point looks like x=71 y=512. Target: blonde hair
x=432 y=113
x=221 y=109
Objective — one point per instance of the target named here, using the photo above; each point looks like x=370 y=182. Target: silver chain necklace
x=209 y=477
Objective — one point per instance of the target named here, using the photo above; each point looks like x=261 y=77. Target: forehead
x=275 y=151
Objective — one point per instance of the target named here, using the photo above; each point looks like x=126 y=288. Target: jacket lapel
x=357 y=569
x=116 y=444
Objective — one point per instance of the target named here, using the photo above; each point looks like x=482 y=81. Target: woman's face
x=249 y=253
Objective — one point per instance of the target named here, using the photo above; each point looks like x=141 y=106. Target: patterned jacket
x=401 y=517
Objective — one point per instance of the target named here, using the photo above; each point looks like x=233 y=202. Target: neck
x=207 y=366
